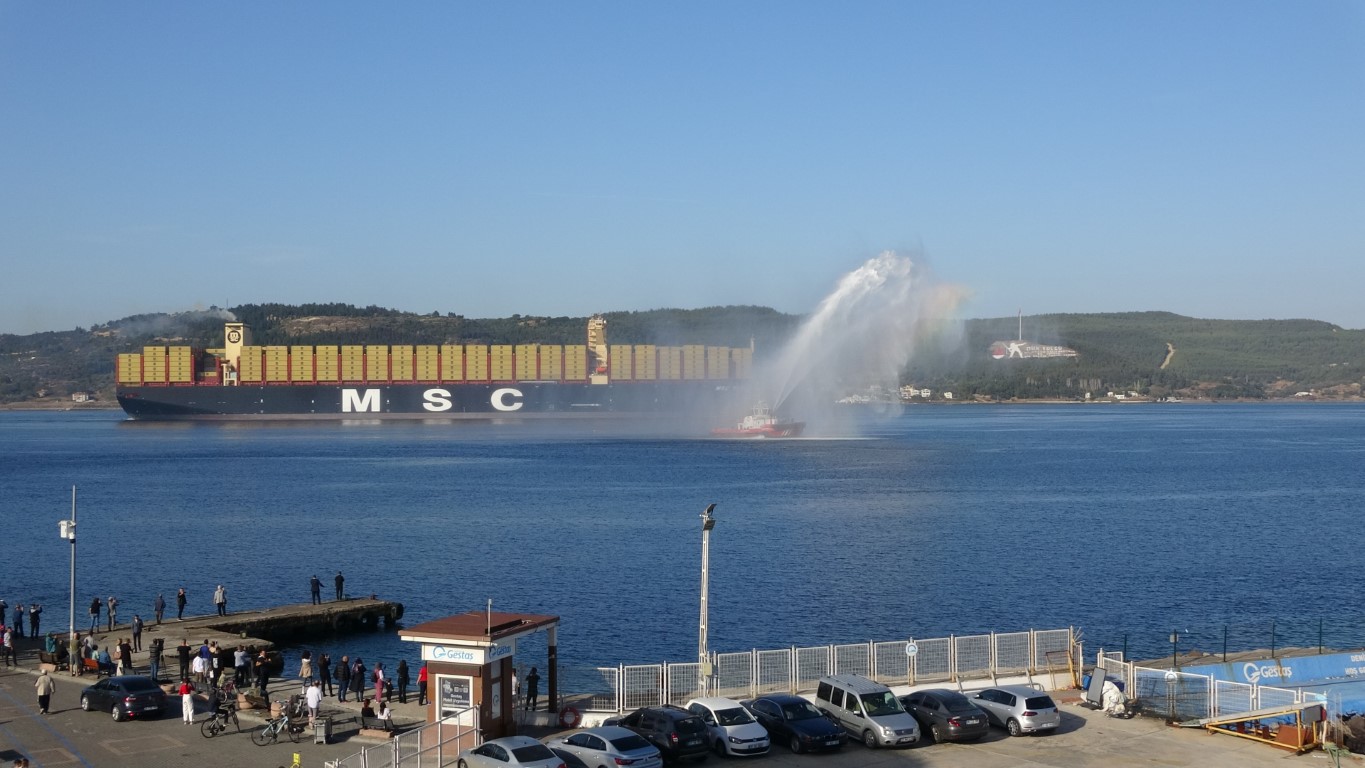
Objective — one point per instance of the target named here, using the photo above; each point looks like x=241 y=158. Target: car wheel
x=85 y=703
x=869 y=739
x=936 y=733
x=795 y=745
x=462 y=764
x=117 y=713
x=719 y=748
x=1012 y=726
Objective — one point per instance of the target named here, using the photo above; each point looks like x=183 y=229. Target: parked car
x=609 y=745
x=1018 y=709
x=570 y=759
x=866 y=709
x=946 y=715
x=796 y=722
x=509 y=751
x=125 y=696
x=676 y=732
x=733 y=730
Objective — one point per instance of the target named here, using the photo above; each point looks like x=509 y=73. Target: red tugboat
x=761 y=423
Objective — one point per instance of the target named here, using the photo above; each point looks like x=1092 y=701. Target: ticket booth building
x=470 y=661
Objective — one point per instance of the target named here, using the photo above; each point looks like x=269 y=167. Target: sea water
x=1126 y=521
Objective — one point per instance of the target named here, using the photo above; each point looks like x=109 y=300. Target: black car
x=947 y=715
x=675 y=731
x=125 y=696
x=796 y=722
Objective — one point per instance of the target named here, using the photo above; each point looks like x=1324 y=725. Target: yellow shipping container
x=528 y=362
x=645 y=362
x=249 y=365
x=741 y=362
x=352 y=363
x=180 y=365
x=452 y=362
x=428 y=360
x=276 y=364
x=717 y=362
x=694 y=361
x=376 y=362
x=300 y=363
x=670 y=363
x=326 y=361
x=500 y=362
x=130 y=368
x=575 y=363
x=476 y=362
x=622 y=365
x=400 y=362
x=154 y=364
x=551 y=362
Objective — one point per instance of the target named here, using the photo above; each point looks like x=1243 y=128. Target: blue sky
x=565 y=158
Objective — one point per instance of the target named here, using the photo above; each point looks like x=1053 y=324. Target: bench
x=51 y=658
x=92 y=665
x=376 y=727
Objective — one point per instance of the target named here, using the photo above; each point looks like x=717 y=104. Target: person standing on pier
x=34 y=611
x=532 y=689
x=159 y=607
x=340 y=580
x=154 y=658
x=94 y=615
x=306 y=669
x=379 y=681
x=137 y=632
x=315 y=586
x=180 y=598
x=403 y=680
x=220 y=600
x=186 y=701
x=343 y=677
x=182 y=652
x=262 y=672
x=358 y=678
x=422 y=685
x=18 y=619
x=125 y=655
x=9 y=653
x=113 y=612
x=240 y=662
x=325 y=673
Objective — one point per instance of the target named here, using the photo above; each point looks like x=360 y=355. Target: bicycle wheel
x=294 y=731
x=264 y=735
x=211 y=727
x=232 y=716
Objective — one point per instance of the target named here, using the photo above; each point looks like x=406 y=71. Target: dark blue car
x=796 y=722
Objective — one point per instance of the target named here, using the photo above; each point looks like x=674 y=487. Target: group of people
x=109 y=608
x=323 y=676
x=30 y=614
x=315 y=588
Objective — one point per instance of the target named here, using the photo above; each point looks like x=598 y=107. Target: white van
x=866 y=709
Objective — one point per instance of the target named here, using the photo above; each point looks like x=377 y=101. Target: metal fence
x=798 y=669
x=1180 y=696
x=433 y=745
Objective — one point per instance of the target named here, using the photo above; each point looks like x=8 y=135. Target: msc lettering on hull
x=435 y=400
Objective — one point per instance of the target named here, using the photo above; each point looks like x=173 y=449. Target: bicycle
x=270 y=732
x=218 y=722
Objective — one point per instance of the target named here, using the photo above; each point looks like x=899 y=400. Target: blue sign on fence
x=1287 y=672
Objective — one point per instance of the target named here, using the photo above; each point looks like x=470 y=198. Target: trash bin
x=322 y=730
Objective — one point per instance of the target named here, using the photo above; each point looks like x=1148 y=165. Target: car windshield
x=1039 y=702
x=803 y=710
x=691 y=725
x=533 y=752
x=883 y=703
x=733 y=716
x=136 y=685
x=629 y=743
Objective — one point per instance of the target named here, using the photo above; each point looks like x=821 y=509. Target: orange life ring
x=569 y=717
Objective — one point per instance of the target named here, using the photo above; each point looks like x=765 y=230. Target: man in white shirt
x=314 y=700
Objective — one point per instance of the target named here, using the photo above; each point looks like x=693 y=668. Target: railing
x=898 y=662
x=1182 y=696
x=434 y=744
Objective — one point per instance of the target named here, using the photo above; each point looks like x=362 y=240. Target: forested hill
x=1156 y=354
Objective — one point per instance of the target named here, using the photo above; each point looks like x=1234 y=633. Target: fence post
x=664 y=689
x=829 y=659
x=792 y=669
x=991 y=661
x=1032 y=653
x=753 y=673
x=910 y=666
x=952 y=658
x=620 y=686
x=872 y=659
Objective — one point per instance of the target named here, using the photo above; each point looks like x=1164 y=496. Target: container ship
x=428 y=381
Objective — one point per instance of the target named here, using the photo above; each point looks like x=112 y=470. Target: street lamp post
x=707 y=523
x=68 y=531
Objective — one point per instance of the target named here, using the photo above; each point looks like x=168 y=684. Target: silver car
x=510 y=751
x=609 y=745
x=1018 y=709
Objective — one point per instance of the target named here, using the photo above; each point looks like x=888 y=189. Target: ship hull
x=520 y=400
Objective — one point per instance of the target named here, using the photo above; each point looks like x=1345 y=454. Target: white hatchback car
x=732 y=729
